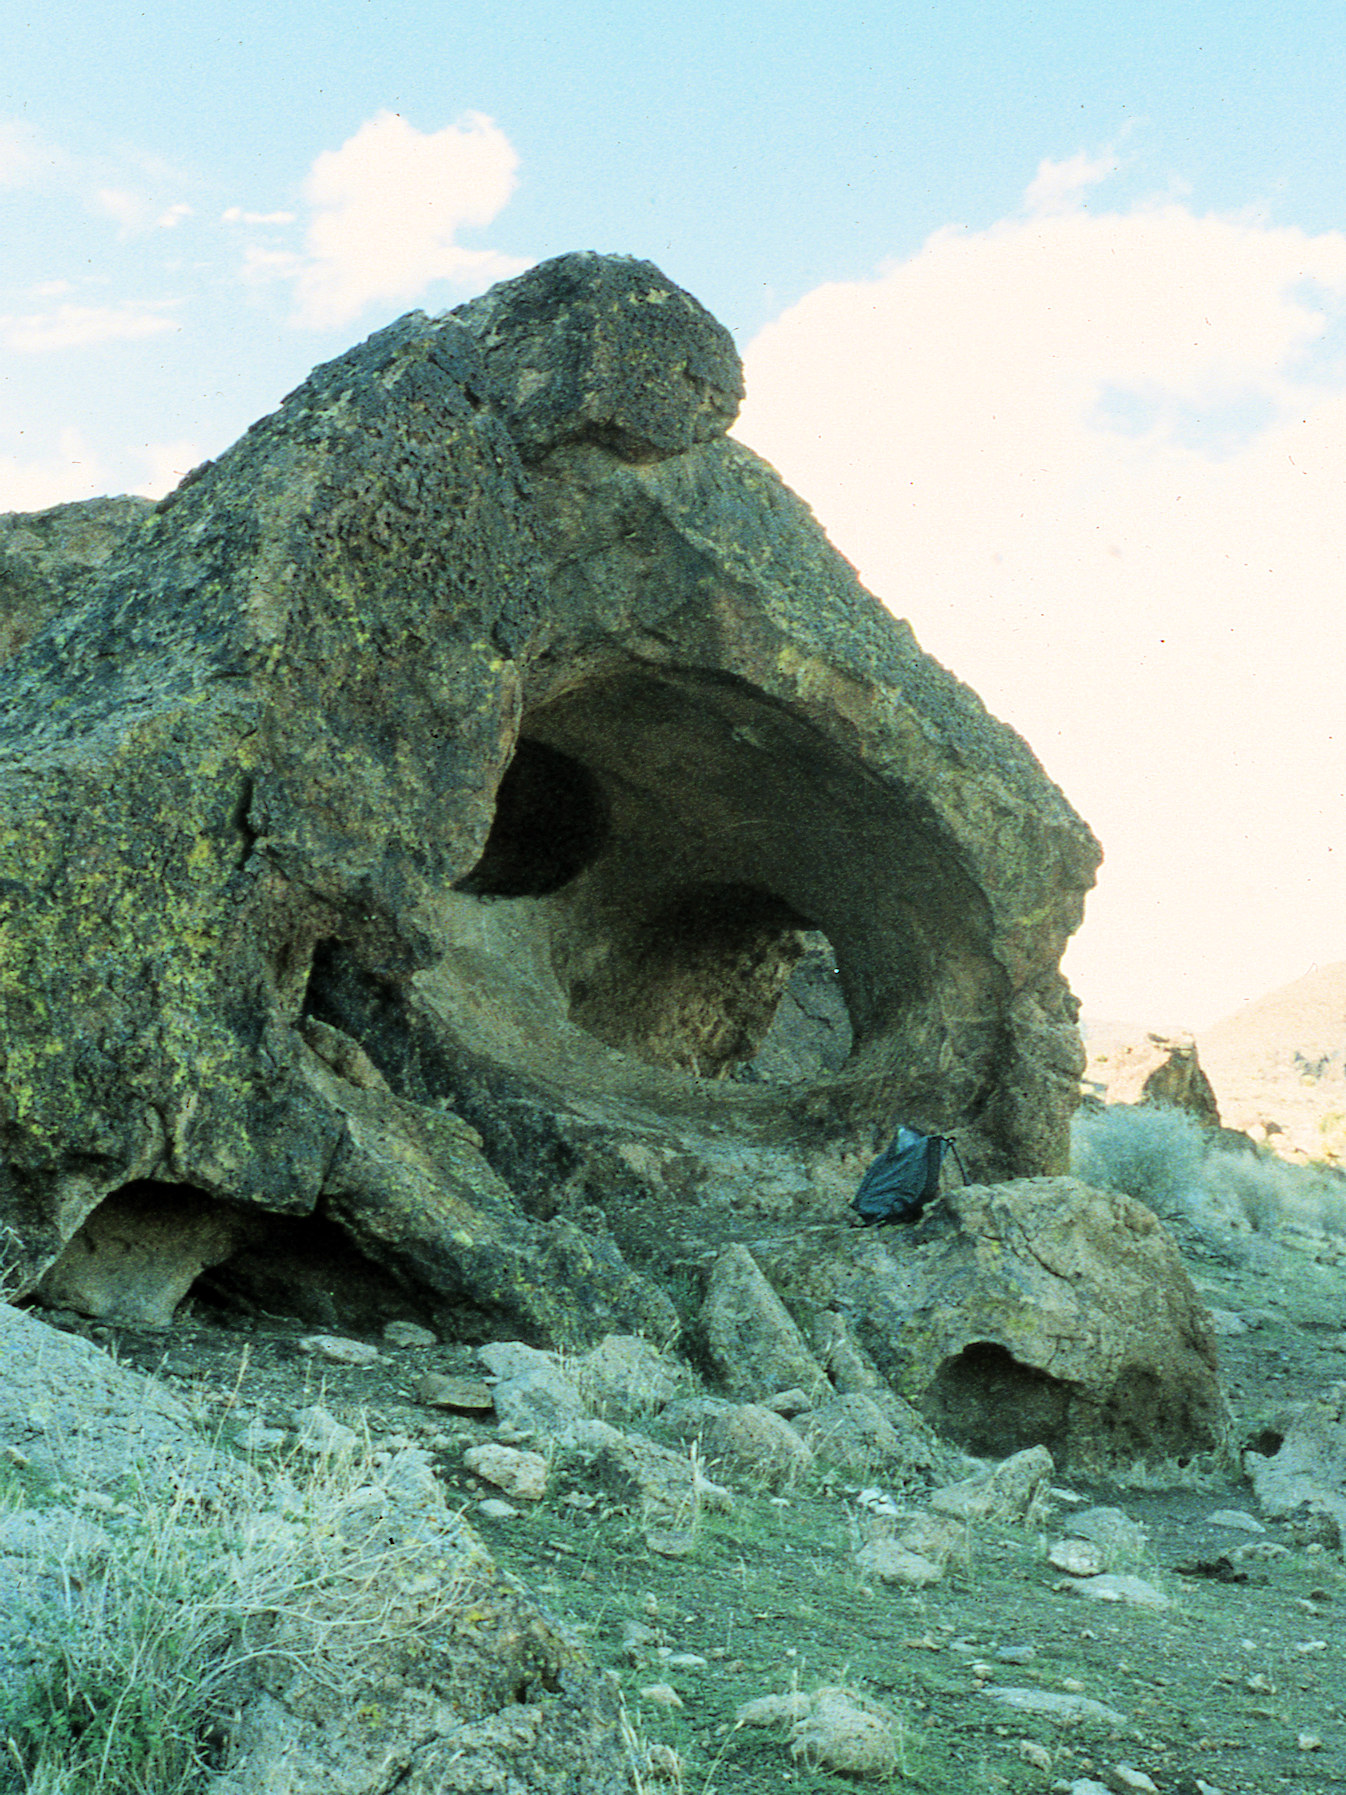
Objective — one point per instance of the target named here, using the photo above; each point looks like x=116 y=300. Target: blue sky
x=1040 y=306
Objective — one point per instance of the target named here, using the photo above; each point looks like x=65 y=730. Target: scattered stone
x=1076 y=1557
x=624 y=1379
x=532 y=1394
x=1225 y=1324
x=1036 y=1755
x=790 y=1403
x=1016 y=1654
x=891 y=1563
x=751 y=1340
x=877 y=1502
x=1118 y=1535
x=687 y=1661
x=408 y=1333
x=258 y=1437
x=833 y=1729
x=340 y=1350
x=1309 y=1742
x=671 y=1542
x=663 y=1695
x=1006 y=1492
x=1126 y=1780
x=664 y=1765
x=1135 y=1592
x=440 y=1390
x=1055 y=1705
x=1266 y=1551
x=637 y=1639
x=936 y=1537
x=517 y=1473
x=667 y=1486
x=322 y=1434
x=774 y=1710
x=497 y=1510
x=859 y=1433
x=747 y=1439
x=1235 y=1517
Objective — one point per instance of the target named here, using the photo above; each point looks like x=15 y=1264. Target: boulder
x=1048 y=1314
x=751 y=1341
x=743 y=1440
x=1305 y=1477
x=75 y=1417
x=1009 y=1491
x=413 y=826
x=533 y=1393
x=322 y=1628
x=624 y=1378
x=871 y=1434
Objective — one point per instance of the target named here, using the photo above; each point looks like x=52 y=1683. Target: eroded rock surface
x=1048 y=1314
x=411 y=828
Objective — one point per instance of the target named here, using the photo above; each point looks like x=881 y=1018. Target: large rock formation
x=409 y=830
x=1050 y=1314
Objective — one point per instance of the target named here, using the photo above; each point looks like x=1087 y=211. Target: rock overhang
x=488 y=706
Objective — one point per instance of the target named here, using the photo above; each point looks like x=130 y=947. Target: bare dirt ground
x=1237 y=1686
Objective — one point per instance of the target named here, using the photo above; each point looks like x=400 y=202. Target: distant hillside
x=1278 y=1066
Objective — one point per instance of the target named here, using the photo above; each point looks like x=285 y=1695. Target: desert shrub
x=1259 y=1188
x=1149 y=1151
x=134 y=1673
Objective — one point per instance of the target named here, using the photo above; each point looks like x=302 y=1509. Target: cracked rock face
x=481 y=818
x=1037 y=1313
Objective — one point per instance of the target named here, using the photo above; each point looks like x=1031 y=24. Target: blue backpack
x=904 y=1178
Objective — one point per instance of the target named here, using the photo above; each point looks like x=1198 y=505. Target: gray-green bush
x=1162 y=1157
x=159 y=1633
x=1148 y=1151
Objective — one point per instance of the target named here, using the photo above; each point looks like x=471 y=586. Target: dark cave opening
x=551 y=822
x=993 y=1406
x=696 y=981
x=151 y=1245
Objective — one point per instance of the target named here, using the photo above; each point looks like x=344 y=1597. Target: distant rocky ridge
x=1275 y=1070
x=1279 y=1066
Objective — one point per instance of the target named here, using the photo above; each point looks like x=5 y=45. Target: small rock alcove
x=991 y=1405
x=676 y=845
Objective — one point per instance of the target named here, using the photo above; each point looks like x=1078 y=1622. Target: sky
x=1042 y=309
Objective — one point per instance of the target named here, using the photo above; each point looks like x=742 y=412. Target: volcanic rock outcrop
x=409 y=830
x=1050 y=1314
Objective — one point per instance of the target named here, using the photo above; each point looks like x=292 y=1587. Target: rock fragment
x=522 y=1475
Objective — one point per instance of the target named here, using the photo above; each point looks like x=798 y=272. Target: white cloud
x=167 y=463
x=236 y=215
x=1099 y=459
x=388 y=207
x=26 y=158
x=74 y=471
x=83 y=326
x=1058 y=186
